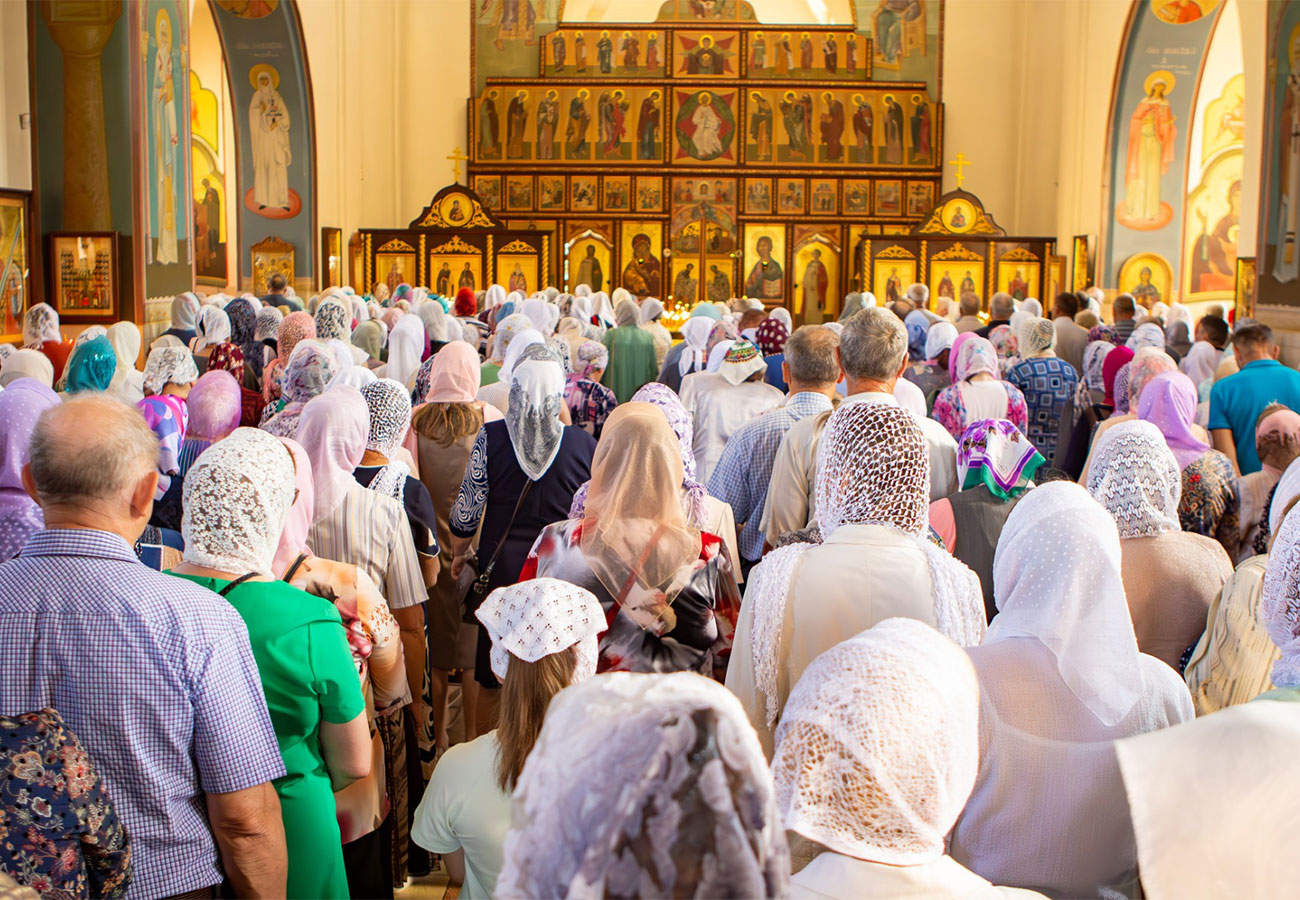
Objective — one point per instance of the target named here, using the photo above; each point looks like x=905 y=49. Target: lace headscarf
x=266 y=327
x=878 y=746
x=185 y=311
x=212 y=328
x=686 y=811
x=939 y=338
x=1094 y=361
x=1037 y=337
x=1169 y=402
x=169 y=365
x=389 y=405
x=312 y=368
x=243 y=333
x=695 y=340
x=296 y=327
x=592 y=357
x=1056 y=578
x=41 y=325
x=236 y=499
x=1280 y=607
x=333 y=431
x=1135 y=476
x=1147 y=364
x=541 y=617
x=333 y=320
x=91 y=366
x=533 y=418
x=995 y=453
x=627 y=314
x=21 y=405
x=1148 y=335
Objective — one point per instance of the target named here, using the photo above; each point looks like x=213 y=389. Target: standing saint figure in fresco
x=211 y=204
x=580 y=52
x=864 y=124
x=605 y=53
x=796 y=113
x=765 y=277
x=466 y=278
x=968 y=283
x=548 y=119
x=613 y=114
x=758 y=54
x=516 y=122
x=647 y=127
x=1286 y=255
x=1017 y=287
x=489 y=131
x=589 y=271
x=558 y=50
x=631 y=48
x=719 y=289
x=787 y=55
x=920 y=130
x=831 y=124
x=760 y=127
x=805 y=52
x=1150 y=151
x=814 y=282
x=268 y=124
x=575 y=132
x=442 y=286
x=652 y=51
x=893 y=130
x=831 y=53
x=1144 y=291
x=514 y=20
x=851 y=55
x=518 y=282
x=945 y=287
x=685 y=285
x=893 y=286
x=165 y=139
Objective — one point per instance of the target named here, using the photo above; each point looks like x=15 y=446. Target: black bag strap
x=486 y=572
x=288 y=576
x=236 y=583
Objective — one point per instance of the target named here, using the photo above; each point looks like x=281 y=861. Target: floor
x=430 y=887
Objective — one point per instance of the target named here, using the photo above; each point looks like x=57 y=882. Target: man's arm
x=1224 y=443
x=250 y=836
x=786 y=507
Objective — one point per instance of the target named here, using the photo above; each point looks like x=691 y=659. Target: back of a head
x=751 y=318
x=873 y=467
x=1135 y=476
x=1253 y=341
x=215 y=405
x=73 y=465
x=970 y=304
x=1215 y=329
x=1124 y=305
x=1001 y=305
x=900 y=308
x=919 y=295
x=1067 y=304
x=277 y=283
x=873 y=345
x=810 y=354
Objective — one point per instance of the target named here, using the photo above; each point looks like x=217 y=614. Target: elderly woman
x=168 y=377
x=652 y=310
x=27 y=363
x=237 y=499
x=667 y=588
x=1280 y=607
x=590 y=402
x=212 y=410
x=21 y=404
x=543 y=640
x=930 y=373
x=1277 y=443
x=1061 y=678
x=243 y=334
x=685 y=807
x=296 y=327
x=41 y=333
x=890 y=717
x=312 y=368
x=1125 y=390
x=1171 y=577
x=505 y=332
x=1047 y=381
x=184 y=316
x=406 y=345
x=227 y=357
x=691 y=355
x=977 y=391
x=631 y=353
x=212 y=328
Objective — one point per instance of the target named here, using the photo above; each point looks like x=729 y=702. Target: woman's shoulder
x=294 y=606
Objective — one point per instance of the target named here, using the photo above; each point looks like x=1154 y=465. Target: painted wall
x=15 y=142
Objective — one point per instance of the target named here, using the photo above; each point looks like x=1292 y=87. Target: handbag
x=473 y=591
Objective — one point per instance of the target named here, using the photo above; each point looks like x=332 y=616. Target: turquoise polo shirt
x=1237 y=401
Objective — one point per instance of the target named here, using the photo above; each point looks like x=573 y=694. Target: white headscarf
x=582 y=290
x=166 y=365
x=212 y=328
x=683 y=806
x=1280 y=607
x=695 y=335
x=878 y=745
x=541 y=617
x=356 y=377
x=185 y=311
x=1136 y=477
x=495 y=296
x=518 y=344
x=651 y=308
x=405 y=347
x=602 y=308
x=939 y=338
x=1056 y=578
x=717 y=355
x=538 y=314
x=128 y=383
x=28 y=363
x=1148 y=335
x=533 y=415
x=436 y=321
x=236 y=500
x=782 y=315
x=41 y=324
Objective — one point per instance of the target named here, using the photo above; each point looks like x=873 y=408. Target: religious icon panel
x=618 y=193
x=1019 y=274
x=790 y=196
x=516 y=268
x=488 y=187
x=519 y=192
x=614 y=53
x=817 y=276
x=819 y=56
x=706 y=54
x=764 y=264
x=649 y=193
x=1148 y=277
x=758 y=196
x=582 y=193
x=84 y=270
x=857 y=196
x=951 y=279
x=892 y=271
x=550 y=192
x=888 y=198
x=641 y=252
x=591 y=261
x=704 y=127
x=395 y=263
x=824 y=196
x=455 y=264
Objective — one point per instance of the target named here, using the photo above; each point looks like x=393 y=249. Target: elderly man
x=918 y=295
x=969 y=307
x=631 y=353
x=1071 y=339
x=155 y=675
x=1123 y=311
x=745 y=470
x=1001 y=308
x=725 y=400
x=1237 y=401
x=872 y=354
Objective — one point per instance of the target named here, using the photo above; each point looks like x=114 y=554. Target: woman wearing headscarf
x=873 y=562
x=770 y=337
x=543 y=640
x=296 y=327
x=930 y=373
x=41 y=333
x=1061 y=678
x=212 y=411
x=226 y=357
x=184 y=316
x=502 y=335
x=590 y=402
x=854 y=301
x=88 y=333
x=602 y=310
x=1148 y=335
x=128 y=382
x=497 y=394
x=996 y=464
x=1006 y=343
x=977 y=391
x=168 y=377
x=690 y=355
x=91 y=366
x=27 y=363
x=1280 y=605
x=521 y=476
x=243 y=334
x=237 y=499
x=369 y=336
x=890 y=719
x=212 y=328
x=684 y=807
x=570 y=331
x=1171 y=576
x=631 y=353
x=312 y=368
x=667 y=588
x=1277 y=443
x=917 y=324
x=1210 y=504
x=405 y=351
x=652 y=311
x=1047 y=381
x=21 y=404
x=266 y=330
x=1125 y=392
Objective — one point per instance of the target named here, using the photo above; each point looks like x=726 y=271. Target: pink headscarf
x=1169 y=402
x=955 y=353
x=333 y=429
x=1281 y=421
x=975 y=356
x=456 y=375
x=293 y=540
x=1115 y=360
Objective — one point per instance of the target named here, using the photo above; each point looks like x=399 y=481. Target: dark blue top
x=774 y=375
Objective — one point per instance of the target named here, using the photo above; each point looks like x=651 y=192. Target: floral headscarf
x=296 y=327
x=592 y=356
x=1004 y=344
x=333 y=320
x=1104 y=333
x=243 y=333
x=226 y=357
x=977 y=355
x=311 y=370
x=41 y=325
x=995 y=453
x=168 y=417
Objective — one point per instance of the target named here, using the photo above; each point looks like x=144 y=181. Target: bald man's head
x=90 y=450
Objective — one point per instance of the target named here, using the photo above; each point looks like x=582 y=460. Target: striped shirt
x=156 y=677
x=369 y=530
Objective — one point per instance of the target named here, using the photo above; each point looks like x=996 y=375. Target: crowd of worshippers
x=923 y=602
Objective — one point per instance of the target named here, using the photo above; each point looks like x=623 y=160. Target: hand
x=457 y=564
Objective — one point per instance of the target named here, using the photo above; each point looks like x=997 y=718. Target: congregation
x=925 y=602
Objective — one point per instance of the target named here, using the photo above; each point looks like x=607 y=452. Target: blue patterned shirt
x=1047 y=383
x=743 y=473
x=155 y=675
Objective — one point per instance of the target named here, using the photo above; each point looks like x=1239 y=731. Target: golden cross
x=961 y=162
x=457 y=156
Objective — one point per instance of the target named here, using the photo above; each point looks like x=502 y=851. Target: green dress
x=631 y=360
x=488 y=374
x=307 y=675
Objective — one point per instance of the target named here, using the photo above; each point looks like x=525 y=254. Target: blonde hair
x=525 y=696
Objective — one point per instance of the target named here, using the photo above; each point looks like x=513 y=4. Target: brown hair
x=525 y=696
x=447 y=423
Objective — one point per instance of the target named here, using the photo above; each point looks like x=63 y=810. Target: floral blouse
x=1210 y=505
x=589 y=402
x=950 y=411
x=58 y=832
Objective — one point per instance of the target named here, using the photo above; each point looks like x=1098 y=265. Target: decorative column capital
x=81 y=28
